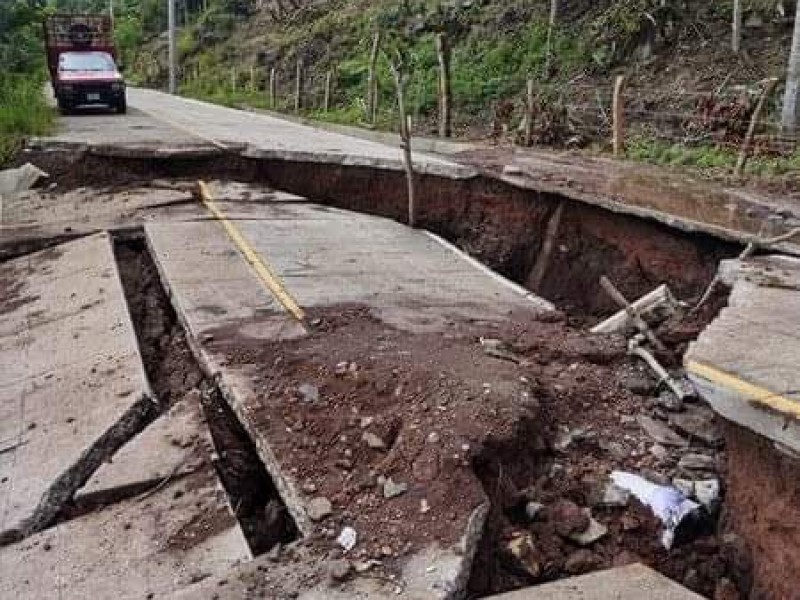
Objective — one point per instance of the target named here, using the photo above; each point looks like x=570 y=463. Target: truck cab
x=81 y=61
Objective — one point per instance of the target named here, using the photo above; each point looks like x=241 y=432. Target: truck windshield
x=86 y=61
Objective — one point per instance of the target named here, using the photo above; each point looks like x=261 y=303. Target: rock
x=697 y=462
x=373 y=441
x=698 y=423
x=582 y=561
x=567 y=437
x=568 y=517
x=591 y=534
x=707 y=493
x=433 y=438
x=424 y=507
x=309 y=393
x=366 y=422
x=614 y=496
x=638 y=383
x=348 y=538
x=686 y=486
x=532 y=509
x=617 y=450
x=340 y=570
x=660 y=432
x=512 y=171
x=522 y=548
x=392 y=489
x=319 y=508
x=725 y=590
x=659 y=451
x=670 y=401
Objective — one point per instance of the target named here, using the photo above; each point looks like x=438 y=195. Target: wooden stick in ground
x=445 y=97
x=405 y=138
x=327 y=101
x=529 y=116
x=746 y=253
x=635 y=318
x=539 y=270
x=372 y=80
x=663 y=376
x=744 y=152
x=298 y=86
x=619 y=115
x=273 y=88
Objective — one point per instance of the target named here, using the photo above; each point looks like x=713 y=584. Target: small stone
x=582 y=561
x=638 y=383
x=707 y=492
x=660 y=432
x=669 y=401
x=347 y=539
x=373 y=441
x=698 y=423
x=697 y=462
x=341 y=368
x=340 y=570
x=386 y=550
x=392 y=489
x=617 y=450
x=366 y=422
x=659 y=451
x=433 y=438
x=522 y=548
x=726 y=590
x=686 y=486
x=593 y=532
x=569 y=518
x=309 y=487
x=424 y=507
x=615 y=496
x=309 y=393
x=319 y=508
x=532 y=509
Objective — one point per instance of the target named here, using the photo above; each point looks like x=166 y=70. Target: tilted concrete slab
x=745 y=364
x=634 y=582
x=69 y=366
x=328 y=257
x=152 y=544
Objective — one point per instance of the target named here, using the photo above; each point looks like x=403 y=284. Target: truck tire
x=64 y=108
x=122 y=106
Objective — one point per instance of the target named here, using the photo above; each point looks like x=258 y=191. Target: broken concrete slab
x=632 y=582
x=66 y=334
x=153 y=544
x=744 y=364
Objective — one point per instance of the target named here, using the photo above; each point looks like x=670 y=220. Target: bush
x=23 y=112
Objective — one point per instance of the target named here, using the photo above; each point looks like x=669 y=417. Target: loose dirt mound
x=406 y=434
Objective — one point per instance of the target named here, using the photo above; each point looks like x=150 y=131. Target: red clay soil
x=462 y=426
x=763 y=507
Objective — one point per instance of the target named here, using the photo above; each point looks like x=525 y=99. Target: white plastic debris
x=668 y=503
x=347 y=539
x=13 y=181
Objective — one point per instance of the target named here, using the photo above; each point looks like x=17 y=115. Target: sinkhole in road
x=558 y=249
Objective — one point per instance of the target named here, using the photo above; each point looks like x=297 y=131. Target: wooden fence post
x=751 y=130
x=298 y=86
x=619 y=115
x=328 y=84
x=445 y=96
x=234 y=77
x=253 y=83
x=273 y=88
x=372 y=80
x=529 y=112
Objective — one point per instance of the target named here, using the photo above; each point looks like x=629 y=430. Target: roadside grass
x=709 y=158
x=23 y=112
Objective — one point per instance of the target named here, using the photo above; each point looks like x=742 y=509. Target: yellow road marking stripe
x=753 y=393
x=262 y=269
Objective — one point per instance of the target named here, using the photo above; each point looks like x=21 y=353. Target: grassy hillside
x=674 y=54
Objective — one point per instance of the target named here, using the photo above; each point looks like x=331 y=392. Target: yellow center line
x=260 y=266
x=753 y=393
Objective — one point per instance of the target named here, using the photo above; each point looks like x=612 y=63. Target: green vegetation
x=708 y=157
x=23 y=110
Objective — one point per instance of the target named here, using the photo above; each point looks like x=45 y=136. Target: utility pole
x=172 y=50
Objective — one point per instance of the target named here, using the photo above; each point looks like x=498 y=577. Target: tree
x=791 y=98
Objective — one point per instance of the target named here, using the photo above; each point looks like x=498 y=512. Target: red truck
x=82 y=62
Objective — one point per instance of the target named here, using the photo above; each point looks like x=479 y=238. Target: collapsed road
x=260 y=386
